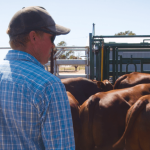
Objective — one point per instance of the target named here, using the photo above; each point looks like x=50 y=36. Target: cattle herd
x=110 y=117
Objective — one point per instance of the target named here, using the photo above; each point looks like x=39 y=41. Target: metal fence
x=58 y=62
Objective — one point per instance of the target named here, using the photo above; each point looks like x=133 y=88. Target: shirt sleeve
x=57 y=128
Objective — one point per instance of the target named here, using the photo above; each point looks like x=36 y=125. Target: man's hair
x=20 y=41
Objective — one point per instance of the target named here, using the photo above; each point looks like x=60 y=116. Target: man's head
x=29 y=27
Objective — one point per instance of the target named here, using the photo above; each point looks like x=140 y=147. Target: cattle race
x=111 y=107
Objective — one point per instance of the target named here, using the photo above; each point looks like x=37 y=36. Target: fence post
x=52 y=62
x=91 y=57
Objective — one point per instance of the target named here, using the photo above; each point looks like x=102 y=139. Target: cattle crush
x=113 y=59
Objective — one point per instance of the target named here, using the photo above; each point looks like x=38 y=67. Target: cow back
x=132 y=79
x=137 y=132
x=83 y=88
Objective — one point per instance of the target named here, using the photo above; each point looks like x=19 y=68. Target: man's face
x=44 y=48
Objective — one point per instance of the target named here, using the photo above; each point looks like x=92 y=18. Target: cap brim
x=58 y=30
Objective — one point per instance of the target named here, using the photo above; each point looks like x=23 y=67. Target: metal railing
x=58 y=62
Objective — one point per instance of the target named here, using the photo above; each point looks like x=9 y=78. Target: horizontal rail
x=127 y=45
x=131 y=61
x=72 y=76
x=132 y=49
x=5 y=48
x=84 y=48
x=71 y=62
x=58 y=62
x=72 y=46
x=79 y=49
x=68 y=62
x=121 y=36
x=124 y=72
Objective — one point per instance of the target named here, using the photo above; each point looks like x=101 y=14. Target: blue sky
x=109 y=16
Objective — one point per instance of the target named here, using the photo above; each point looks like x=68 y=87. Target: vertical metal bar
x=135 y=67
x=91 y=57
x=113 y=61
x=127 y=68
x=57 y=70
x=121 y=65
x=98 y=63
x=116 y=62
x=99 y=68
x=141 y=65
x=93 y=33
x=107 y=66
x=102 y=60
x=87 y=64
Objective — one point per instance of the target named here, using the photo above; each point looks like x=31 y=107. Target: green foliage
x=128 y=33
x=62 y=56
x=66 y=54
x=72 y=57
x=62 y=43
x=69 y=53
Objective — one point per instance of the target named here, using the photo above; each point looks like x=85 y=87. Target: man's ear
x=33 y=36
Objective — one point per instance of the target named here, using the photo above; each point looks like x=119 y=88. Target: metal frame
x=101 y=49
x=57 y=62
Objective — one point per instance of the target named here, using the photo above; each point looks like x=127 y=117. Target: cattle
x=137 y=132
x=83 y=88
x=74 y=105
x=103 y=116
x=132 y=79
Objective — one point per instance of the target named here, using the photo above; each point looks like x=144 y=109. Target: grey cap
x=34 y=18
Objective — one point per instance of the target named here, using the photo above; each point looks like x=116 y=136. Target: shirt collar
x=20 y=55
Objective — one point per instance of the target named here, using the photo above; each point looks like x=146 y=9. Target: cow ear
x=100 y=84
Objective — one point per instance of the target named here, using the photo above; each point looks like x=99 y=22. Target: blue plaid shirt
x=34 y=108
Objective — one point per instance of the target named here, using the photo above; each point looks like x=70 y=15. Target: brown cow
x=103 y=116
x=74 y=105
x=132 y=79
x=137 y=132
x=83 y=88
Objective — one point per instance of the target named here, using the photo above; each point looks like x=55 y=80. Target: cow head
x=104 y=85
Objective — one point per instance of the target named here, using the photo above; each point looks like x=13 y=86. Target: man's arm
x=57 y=127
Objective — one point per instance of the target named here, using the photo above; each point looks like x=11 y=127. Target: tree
x=62 y=56
x=72 y=57
x=125 y=33
x=62 y=43
x=66 y=53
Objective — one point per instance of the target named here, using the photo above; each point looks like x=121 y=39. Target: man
x=34 y=108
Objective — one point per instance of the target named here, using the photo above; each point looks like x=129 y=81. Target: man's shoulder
x=41 y=75
x=29 y=73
